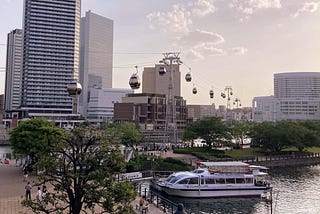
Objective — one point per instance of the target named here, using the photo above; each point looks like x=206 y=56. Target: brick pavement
x=12 y=191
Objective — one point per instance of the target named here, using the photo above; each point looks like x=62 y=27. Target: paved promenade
x=12 y=191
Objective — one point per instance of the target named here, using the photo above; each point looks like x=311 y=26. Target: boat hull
x=213 y=192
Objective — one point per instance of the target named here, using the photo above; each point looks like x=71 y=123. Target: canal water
x=296 y=191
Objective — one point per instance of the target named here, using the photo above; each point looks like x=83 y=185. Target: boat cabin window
x=220 y=181
x=198 y=171
x=184 y=181
x=240 y=180
x=210 y=181
x=173 y=179
x=193 y=181
x=249 y=180
x=230 y=180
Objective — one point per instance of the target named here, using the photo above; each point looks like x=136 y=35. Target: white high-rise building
x=96 y=55
x=263 y=109
x=101 y=103
x=13 y=70
x=296 y=97
x=50 y=56
x=300 y=85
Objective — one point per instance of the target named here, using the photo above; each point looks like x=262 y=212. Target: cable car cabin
x=162 y=70
x=134 y=81
x=194 y=90
x=188 y=77
x=211 y=94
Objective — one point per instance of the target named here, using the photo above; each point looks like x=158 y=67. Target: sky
x=223 y=43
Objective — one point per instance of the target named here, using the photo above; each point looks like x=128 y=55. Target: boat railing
x=165 y=204
x=156 y=174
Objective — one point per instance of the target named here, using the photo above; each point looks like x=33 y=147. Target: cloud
x=202 y=7
x=179 y=18
x=248 y=7
x=176 y=20
x=197 y=37
x=309 y=7
x=239 y=50
x=193 y=55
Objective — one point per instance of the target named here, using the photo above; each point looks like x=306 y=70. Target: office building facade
x=101 y=103
x=96 y=55
x=13 y=70
x=153 y=82
x=296 y=97
x=148 y=110
x=263 y=109
x=50 y=56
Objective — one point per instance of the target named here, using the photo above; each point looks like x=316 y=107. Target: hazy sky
x=237 y=43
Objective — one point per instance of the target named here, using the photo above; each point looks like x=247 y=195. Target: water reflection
x=296 y=191
x=219 y=206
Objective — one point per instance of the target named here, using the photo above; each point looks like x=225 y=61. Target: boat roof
x=224 y=163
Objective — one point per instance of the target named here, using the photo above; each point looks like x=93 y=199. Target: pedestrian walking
x=44 y=192
x=25 y=173
x=28 y=191
x=39 y=194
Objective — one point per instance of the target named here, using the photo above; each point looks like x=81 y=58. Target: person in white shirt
x=39 y=194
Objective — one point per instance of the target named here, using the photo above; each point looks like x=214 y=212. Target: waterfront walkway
x=12 y=191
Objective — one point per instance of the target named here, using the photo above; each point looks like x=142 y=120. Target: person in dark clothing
x=180 y=209
x=28 y=191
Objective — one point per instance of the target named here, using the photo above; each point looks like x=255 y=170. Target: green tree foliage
x=274 y=137
x=34 y=137
x=240 y=131
x=211 y=129
x=145 y=162
x=267 y=136
x=125 y=133
x=80 y=171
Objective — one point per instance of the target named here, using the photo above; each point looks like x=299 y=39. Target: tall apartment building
x=153 y=82
x=96 y=55
x=13 y=70
x=50 y=56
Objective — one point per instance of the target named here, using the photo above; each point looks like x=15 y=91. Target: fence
x=281 y=160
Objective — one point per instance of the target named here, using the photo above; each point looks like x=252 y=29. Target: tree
x=33 y=137
x=269 y=136
x=211 y=129
x=240 y=131
x=302 y=135
x=81 y=168
x=124 y=133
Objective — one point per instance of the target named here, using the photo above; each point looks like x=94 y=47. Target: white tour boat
x=216 y=179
